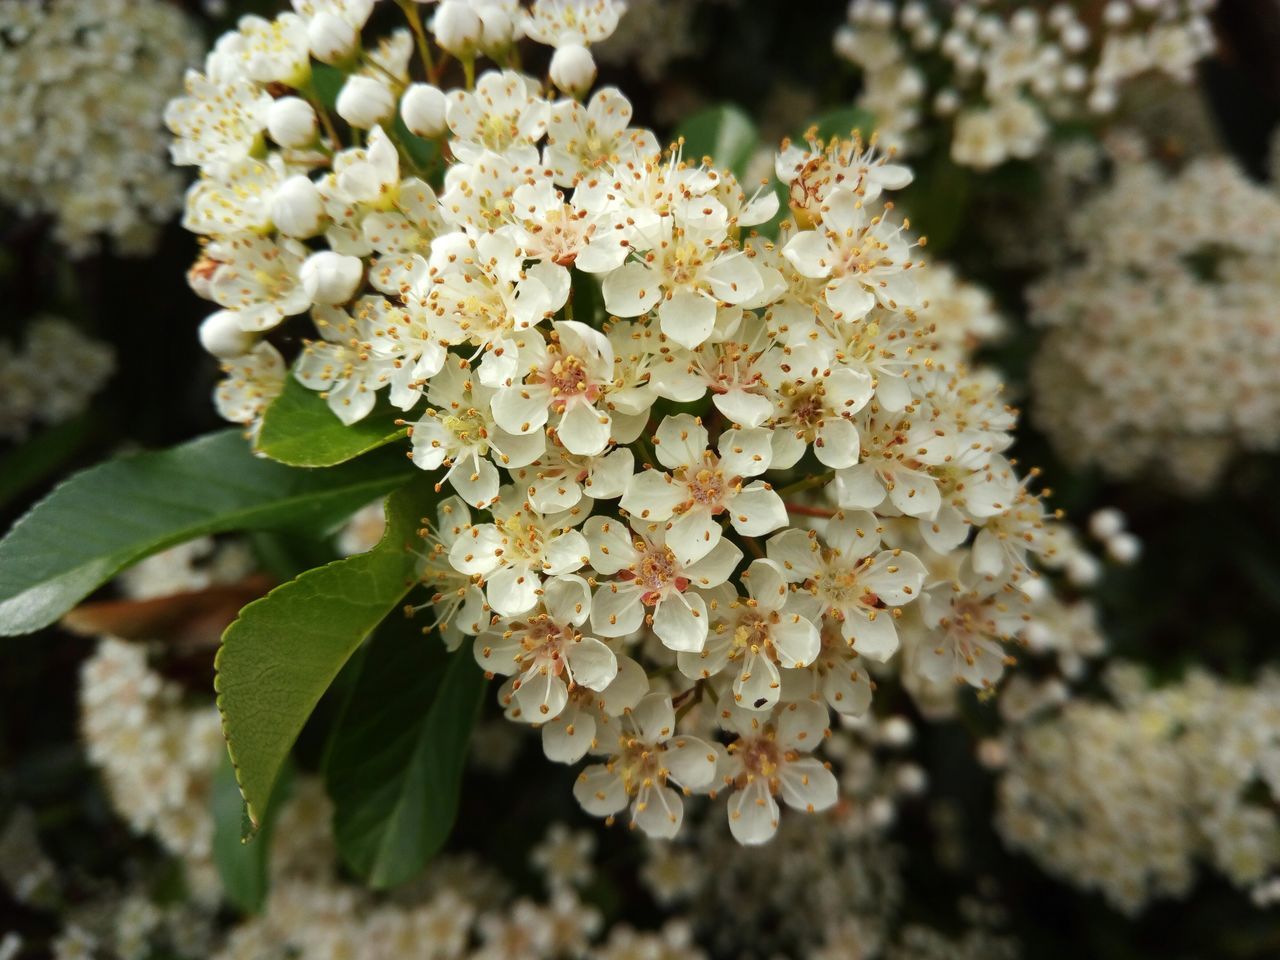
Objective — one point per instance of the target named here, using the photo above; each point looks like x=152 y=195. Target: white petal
x=631 y=290
x=811 y=254
x=541 y=695
x=850 y=300
x=753 y=814
x=680 y=441
x=566 y=553
x=687 y=318
x=655 y=718
x=859 y=488
x=628 y=688
x=693 y=534
x=600 y=791
x=837 y=444
x=714 y=569
x=680 y=621
x=513 y=590
x=567 y=738
x=856 y=534
x=757 y=510
x=915 y=494
x=568 y=599
x=616 y=610
x=592 y=663
x=651 y=495
x=658 y=811
x=745 y=453
x=895 y=579
x=807 y=785
x=757 y=686
x=610 y=544
x=796 y=639
x=802 y=726
x=874 y=639
x=690 y=761
x=584 y=430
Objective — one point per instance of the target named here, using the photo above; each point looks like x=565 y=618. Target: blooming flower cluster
x=50 y=377
x=1001 y=73
x=83 y=84
x=462 y=909
x=1127 y=798
x=1127 y=376
x=687 y=463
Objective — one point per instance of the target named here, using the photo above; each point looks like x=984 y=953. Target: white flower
x=966 y=630
x=457 y=603
x=865 y=257
x=559 y=479
x=757 y=635
x=649 y=754
x=649 y=574
x=558 y=23
x=504 y=113
x=569 y=374
x=249 y=383
x=481 y=293
x=260 y=279
x=582 y=138
x=814 y=404
x=568 y=737
x=703 y=485
x=521 y=546
x=342 y=365
x=274 y=51
x=233 y=198
x=852 y=582
x=216 y=122
x=458 y=431
x=546 y=654
x=686 y=266
x=297 y=209
x=771 y=758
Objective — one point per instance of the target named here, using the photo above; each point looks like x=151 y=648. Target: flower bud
x=292 y=123
x=423 y=110
x=498 y=29
x=297 y=209
x=573 y=69
x=222 y=336
x=365 y=102
x=332 y=39
x=331 y=278
x=457 y=27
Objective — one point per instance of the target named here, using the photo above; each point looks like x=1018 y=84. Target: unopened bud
x=297 y=209
x=332 y=39
x=292 y=123
x=573 y=69
x=222 y=336
x=331 y=278
x=423 y=109
x=457 y=27
x=365 y=102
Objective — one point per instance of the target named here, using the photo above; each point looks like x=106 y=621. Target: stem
x=807 y=483
x=469 y=71
x=410 y=9
x=804 y=511
x=325 y=120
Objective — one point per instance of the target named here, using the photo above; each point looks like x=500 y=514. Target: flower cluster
x=688 y=464
x=1128 y=376
x=1001 y=73
x=1127 y=798
x=50 y=377
x=83 y=84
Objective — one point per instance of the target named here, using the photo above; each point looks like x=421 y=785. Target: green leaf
x=841 y=123
x=937 y=202
x=242 y=859
x=300 y=430
x=41 y=455
x=112 y=515
x=396 y=755
x=282 y=652
x=724 y=133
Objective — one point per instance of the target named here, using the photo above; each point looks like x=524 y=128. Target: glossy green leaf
x=108 y=517
x=300 y=430
x=724 y=133
x=242 y=860
x=280 y=655
x=396 y=755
